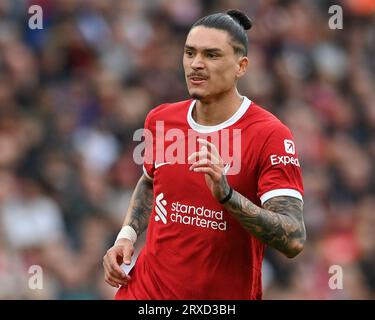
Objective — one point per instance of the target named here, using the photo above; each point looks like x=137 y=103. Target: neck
x=218 y=109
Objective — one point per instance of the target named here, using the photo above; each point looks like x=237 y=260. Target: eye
x=189 y=53
x=211 y=55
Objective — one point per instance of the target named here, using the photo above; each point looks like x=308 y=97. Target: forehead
x=201 y=37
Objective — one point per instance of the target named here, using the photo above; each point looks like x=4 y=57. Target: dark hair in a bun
x=235 y=22
x=241 y=18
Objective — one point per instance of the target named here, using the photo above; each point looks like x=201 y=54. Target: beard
x=196 y=96
x=200 y=97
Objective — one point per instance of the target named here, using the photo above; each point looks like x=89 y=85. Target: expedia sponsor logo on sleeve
x=285 y=160
x=289 y=146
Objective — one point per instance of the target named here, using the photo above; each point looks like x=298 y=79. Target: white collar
x=208 y=129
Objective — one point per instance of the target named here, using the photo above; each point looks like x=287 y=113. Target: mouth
x=197 y=80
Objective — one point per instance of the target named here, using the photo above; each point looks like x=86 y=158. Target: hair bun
x=241 y=18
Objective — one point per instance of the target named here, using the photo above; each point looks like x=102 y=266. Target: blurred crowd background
x=73 y=93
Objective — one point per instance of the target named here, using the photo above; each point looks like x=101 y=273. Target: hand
x=210 y=163
x=122 y=251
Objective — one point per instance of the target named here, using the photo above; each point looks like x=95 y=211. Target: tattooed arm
x=279 y=224
x=137 y=217
x=140 y=206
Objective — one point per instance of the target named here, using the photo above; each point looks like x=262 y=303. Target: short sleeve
x=148 y=163
x=280 y=170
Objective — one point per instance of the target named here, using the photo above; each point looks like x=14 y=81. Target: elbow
x=296 y=243
x=295 y=248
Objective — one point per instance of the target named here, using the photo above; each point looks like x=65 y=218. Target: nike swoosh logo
x=158 y=165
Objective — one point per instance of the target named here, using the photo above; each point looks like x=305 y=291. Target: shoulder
x=265 y=122
x=167 y=110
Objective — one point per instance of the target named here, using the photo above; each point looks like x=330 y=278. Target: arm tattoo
x=140 y=206
x=279 y=224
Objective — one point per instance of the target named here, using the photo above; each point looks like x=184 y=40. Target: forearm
x=140 y=206
x=279 y=224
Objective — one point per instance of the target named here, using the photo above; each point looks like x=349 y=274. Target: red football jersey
x=194 y=248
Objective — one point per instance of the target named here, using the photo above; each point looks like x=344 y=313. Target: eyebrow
x=210 y=50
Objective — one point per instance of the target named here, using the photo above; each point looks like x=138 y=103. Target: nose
x=197 y=62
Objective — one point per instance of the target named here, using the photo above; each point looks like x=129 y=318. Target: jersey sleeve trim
x=146 y=174
x=280 y=192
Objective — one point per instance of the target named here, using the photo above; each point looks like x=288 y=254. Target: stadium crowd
x=73 y=93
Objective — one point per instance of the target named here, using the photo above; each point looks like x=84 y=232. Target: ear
x=243 y=62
